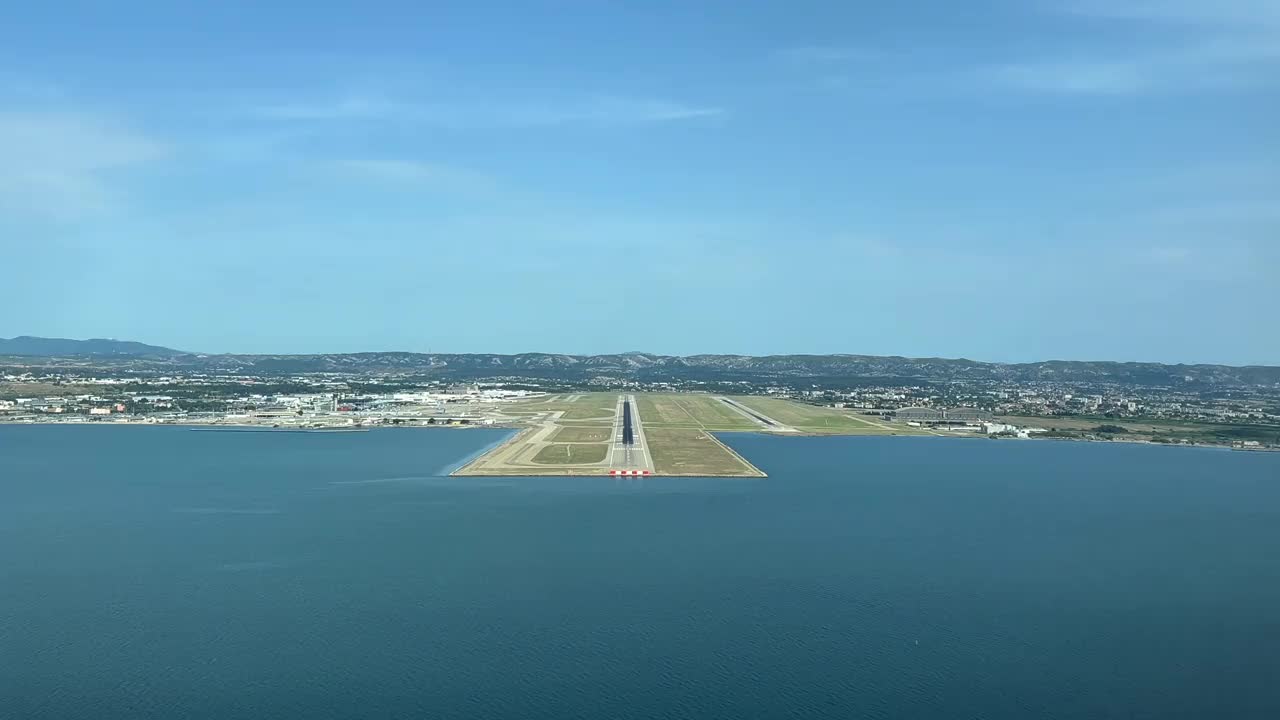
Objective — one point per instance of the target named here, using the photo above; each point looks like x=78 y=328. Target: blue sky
x=1005 y=180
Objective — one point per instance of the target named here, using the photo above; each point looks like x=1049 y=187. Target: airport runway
x=764 y=421
x=634 y=455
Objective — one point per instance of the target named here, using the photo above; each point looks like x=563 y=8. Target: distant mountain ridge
x=648 y=367
x=658 y=368
x=62 y=347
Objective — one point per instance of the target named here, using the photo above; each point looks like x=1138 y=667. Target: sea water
x=163 y=573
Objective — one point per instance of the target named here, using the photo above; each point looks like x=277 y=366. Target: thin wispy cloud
x=1217 y=214
x=1237 y=13
x=1198 y=68
x=1208 y=202
x=346 y=108
x=825 y=54
x=61 y=165
x=595 y=110
x=1169 y=255
x=1115 y=77
x=412 y=173
x=599 y=111
x=835 y=68
x=1176 y=46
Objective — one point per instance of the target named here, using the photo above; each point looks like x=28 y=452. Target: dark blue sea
x=165 y=573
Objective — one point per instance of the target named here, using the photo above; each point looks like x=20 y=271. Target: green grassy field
x=589 y=412
x=690 y=451
x=572 y=454
x=587 y=406
x=678 y=428
x=690 y=411
x=811 y=418
x=583 y=434
x=10 y=391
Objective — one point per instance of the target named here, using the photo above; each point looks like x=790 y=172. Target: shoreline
x=462 y=465
x=460 y=470
x=246 y=426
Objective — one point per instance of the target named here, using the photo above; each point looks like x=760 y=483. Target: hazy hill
x=822 y=369
x=650 y=367
x=62 y=347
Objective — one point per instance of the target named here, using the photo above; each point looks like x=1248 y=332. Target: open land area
x=567 y=434
x=572 y=454
x=581 y=433
x=798 y=417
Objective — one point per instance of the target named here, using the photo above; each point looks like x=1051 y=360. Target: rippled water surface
x=164 y=573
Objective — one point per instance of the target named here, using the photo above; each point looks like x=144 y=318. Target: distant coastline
x=462 y=464
x=236 y=427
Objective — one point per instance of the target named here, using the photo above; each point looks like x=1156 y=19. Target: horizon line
x=641 y=352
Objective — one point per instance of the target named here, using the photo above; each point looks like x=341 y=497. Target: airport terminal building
x=936 y=416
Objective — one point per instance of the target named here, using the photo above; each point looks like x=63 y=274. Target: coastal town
x=1239 y=417
x=300 y=403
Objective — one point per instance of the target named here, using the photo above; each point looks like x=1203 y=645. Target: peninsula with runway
x=642 y=434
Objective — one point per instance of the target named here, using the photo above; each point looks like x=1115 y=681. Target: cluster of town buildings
x=334 y=399
x=313 y=403
x=1057 y=400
